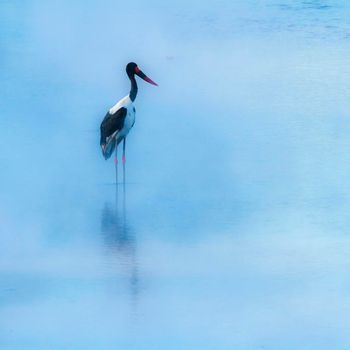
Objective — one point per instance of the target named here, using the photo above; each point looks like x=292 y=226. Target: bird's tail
x=109 y=146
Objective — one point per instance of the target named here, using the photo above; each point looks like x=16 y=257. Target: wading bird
x=121 y=118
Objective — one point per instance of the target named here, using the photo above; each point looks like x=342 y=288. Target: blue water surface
x=231 y=230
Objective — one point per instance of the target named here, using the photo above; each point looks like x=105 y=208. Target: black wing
x=112 y=123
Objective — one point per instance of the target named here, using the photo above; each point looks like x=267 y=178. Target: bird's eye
x=137 y=69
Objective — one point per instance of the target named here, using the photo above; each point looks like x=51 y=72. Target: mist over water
x=231 y=229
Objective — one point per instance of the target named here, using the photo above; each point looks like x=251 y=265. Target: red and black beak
x=143 y=76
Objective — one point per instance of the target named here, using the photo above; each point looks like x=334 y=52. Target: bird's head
x=132 y=69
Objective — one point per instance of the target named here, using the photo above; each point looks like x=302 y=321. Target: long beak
x=143 y=76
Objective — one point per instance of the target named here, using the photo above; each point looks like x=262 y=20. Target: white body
x=130 y=116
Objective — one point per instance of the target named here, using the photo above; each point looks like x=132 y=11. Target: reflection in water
x=120 y=241
x=305 y=5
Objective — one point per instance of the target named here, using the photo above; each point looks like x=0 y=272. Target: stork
x=121 y=118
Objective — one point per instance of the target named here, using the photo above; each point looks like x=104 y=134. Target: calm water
x=231 y=231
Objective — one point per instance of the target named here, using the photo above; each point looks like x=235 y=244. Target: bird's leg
x=116 y=164
x=124 y=160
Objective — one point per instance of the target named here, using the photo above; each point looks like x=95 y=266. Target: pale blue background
x=235 y=229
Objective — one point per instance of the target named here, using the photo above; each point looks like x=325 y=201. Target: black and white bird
x=121 y=117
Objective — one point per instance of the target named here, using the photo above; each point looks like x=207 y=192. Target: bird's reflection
x=120 y=240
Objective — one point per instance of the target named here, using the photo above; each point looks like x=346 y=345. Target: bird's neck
x=133 y=90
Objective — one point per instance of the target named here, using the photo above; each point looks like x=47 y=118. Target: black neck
x=133 y=90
